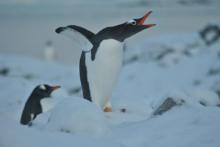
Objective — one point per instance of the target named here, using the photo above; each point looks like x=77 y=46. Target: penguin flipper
x=79 y=34
x=25 y=117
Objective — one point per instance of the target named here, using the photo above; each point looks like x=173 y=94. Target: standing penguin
x=101 y=58
x=33 y=105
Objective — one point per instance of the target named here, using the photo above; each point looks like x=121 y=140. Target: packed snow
x=77 y=115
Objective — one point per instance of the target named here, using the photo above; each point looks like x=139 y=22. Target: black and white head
x=125 y=30
x=44 y=90
x=87 y=39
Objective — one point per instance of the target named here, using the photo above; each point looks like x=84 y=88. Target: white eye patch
x=42 y=87
x=132 y=21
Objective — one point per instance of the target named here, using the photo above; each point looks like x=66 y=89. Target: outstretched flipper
x=81 y=35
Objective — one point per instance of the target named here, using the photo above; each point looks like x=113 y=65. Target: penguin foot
x=30 y=124
x=107 y=109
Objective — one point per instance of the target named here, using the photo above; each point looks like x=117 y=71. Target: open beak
x=141 y=20
x=55 y=87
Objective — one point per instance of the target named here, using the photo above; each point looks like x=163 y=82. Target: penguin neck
x=109 y=33
x=36 y=98
x=114 y=32
x=99 y=45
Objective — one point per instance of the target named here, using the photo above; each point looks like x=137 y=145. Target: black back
x=32 y=107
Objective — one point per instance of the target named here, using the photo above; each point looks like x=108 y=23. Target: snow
x=76 y=115
x=20 y=136
x=184 y=126
x=178 y=66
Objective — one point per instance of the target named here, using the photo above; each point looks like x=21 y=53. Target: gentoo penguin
x=33 y=105
x=101 y=57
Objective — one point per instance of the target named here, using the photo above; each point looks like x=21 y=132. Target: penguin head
x=125 y=30
x=43 y=91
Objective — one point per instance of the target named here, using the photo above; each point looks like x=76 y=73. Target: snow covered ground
x=177 y=66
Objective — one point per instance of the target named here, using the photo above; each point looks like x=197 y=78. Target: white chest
x=103 y=72
x=47 y=104
x=109 y=52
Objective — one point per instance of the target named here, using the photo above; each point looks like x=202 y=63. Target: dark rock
x=197 y=82
x=187 y=53
x=132 y=59
x=65 y=130
x=28 y=76
x=190 y=49
x=4 y=71
x=210 y=29
x=164 y=53
x=166 y=105
x=123 y=110
x=74 y=90
x=214 y=71
x=202 y=103
x=218 y=92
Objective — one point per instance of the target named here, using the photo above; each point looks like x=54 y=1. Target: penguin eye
x=132 y=22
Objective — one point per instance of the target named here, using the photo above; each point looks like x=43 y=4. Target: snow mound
x=185 y=126
x=128 y=110
x=16 y=135
x=205 y=97
x=77 y=115
x=194 y=97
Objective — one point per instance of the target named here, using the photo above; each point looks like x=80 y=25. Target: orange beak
x=141 y=20
x=55 y=87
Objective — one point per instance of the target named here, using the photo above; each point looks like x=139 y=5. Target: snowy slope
x=179 y=66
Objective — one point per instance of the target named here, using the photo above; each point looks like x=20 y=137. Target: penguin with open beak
x=33 y=105
x=102 y=55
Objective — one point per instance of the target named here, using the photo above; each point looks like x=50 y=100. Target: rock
x=218 y=93
x=166 y=105
x=210 y=34
x=132 y=59
x=197 y=82
x=214 y=71
x=164 y=53
x=202 y=103
x=28 y=76
x=123 y=110
x=4 y=71
x=75 y=90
